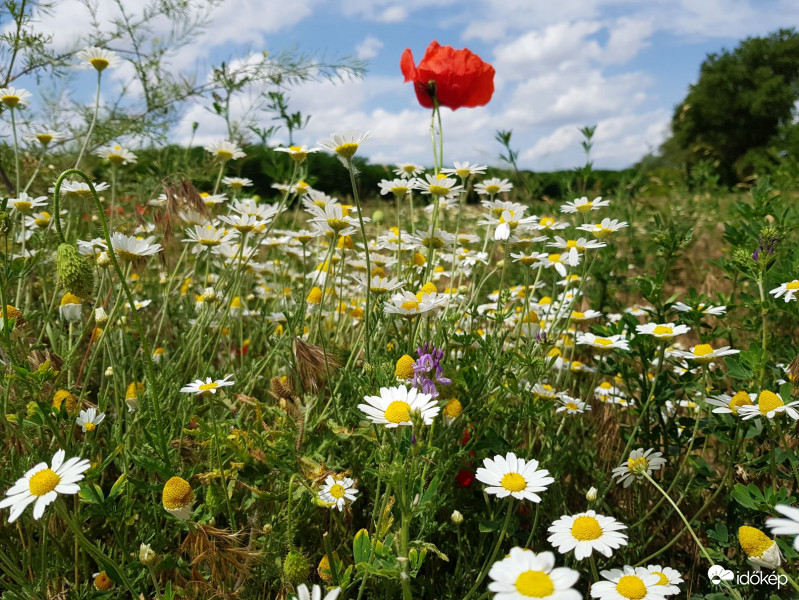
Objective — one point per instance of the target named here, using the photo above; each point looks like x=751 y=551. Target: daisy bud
x=74 y=271
x=456 y=517
x=109 y=372
x=177 y=497
x=147 y=556
x=209 y=295
x=100 y=316
x=590 y=495
x=760 y=549
x=404 y=368
x=103 y=259
x=102 y=582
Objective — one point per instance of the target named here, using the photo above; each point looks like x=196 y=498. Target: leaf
x=116 y=489
x=741 y=495
x=361 y=547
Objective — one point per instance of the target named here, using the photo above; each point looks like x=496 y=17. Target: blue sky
x=620 y=64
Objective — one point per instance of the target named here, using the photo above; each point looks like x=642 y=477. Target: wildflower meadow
x=439 y=384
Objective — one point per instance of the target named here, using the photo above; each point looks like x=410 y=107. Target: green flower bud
x=74 y=271
x=296 y=567
x=378 y=217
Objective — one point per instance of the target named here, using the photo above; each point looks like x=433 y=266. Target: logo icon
x=717 y=574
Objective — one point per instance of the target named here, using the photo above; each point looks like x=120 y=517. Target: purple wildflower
x=427 y=370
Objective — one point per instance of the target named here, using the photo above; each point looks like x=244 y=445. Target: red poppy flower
x=455 y=78
x=464 y=477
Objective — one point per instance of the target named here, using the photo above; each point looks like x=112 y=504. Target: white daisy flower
x=789 y=526
x=631 y=583
x=550 y=224
x=45 y=137
x=79 y=189
x=408 y=170
x=117 y=155
x=726 y=404
x=398 y=187
x=523 y=574
x=786 y=290
x=198 y=386
x=583 y=205
x=408 y=305
x=14 y=97
x=338 y=492
x=394 y=405
x=439 y=186
x=769 y=405
x=237 y=183
x=464 y=169
x=345 y=144
x=42 y=484
x=89 y=419
x=98 y=58
x=511 y=476
x=243 y=223
x=26 y=204
x=131 y=248
x=662 y=330
x=560 y=261
x=613 y=342
x=571 y=406
x=586 y=532
x=297 y=153
x=716 y=311
x=670 y=578
x=430 y=238
x=638 y=463
x=225 y=150
x=604 y=228
x=379 y=285
x=493 y=186
x=315 y=594
x=581 y=244
x=208 y=236
x=704 y=353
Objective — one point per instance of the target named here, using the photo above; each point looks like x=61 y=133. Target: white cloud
x=368 y=48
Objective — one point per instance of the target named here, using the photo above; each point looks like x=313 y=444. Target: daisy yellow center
x=10 y=101
x=572 y=406
x=794 y=285
x=703 y=350
x=663 y=579
x=208 y=386
x=337 y=224
x=453 y=408
x=224 y=154
x=398 y=412
x=578 y=315
x=404 y=369
x=463 y=173
x=337 y=490
x=410 y=305
x=769 y=401
x=631 y=586
x=399 y=190
x=89 y=426
x=663 y=330
x=513 y=482
x=547 y=222
x=586 y=207
x=492 y=189
x=177 y=493
x=603 y=341
x=554 y=258
x=44 y=138
x=534 y=584
x=572 y=244
x=739 y=399
x=586 y=528
x=22 y=204
x=99 y=63
x=638 y=465
x=103 y=582
x=753 y=541
x=438 y=190
x=43 y=482
x=347 y=150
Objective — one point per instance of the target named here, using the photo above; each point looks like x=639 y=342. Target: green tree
x=741 y=104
